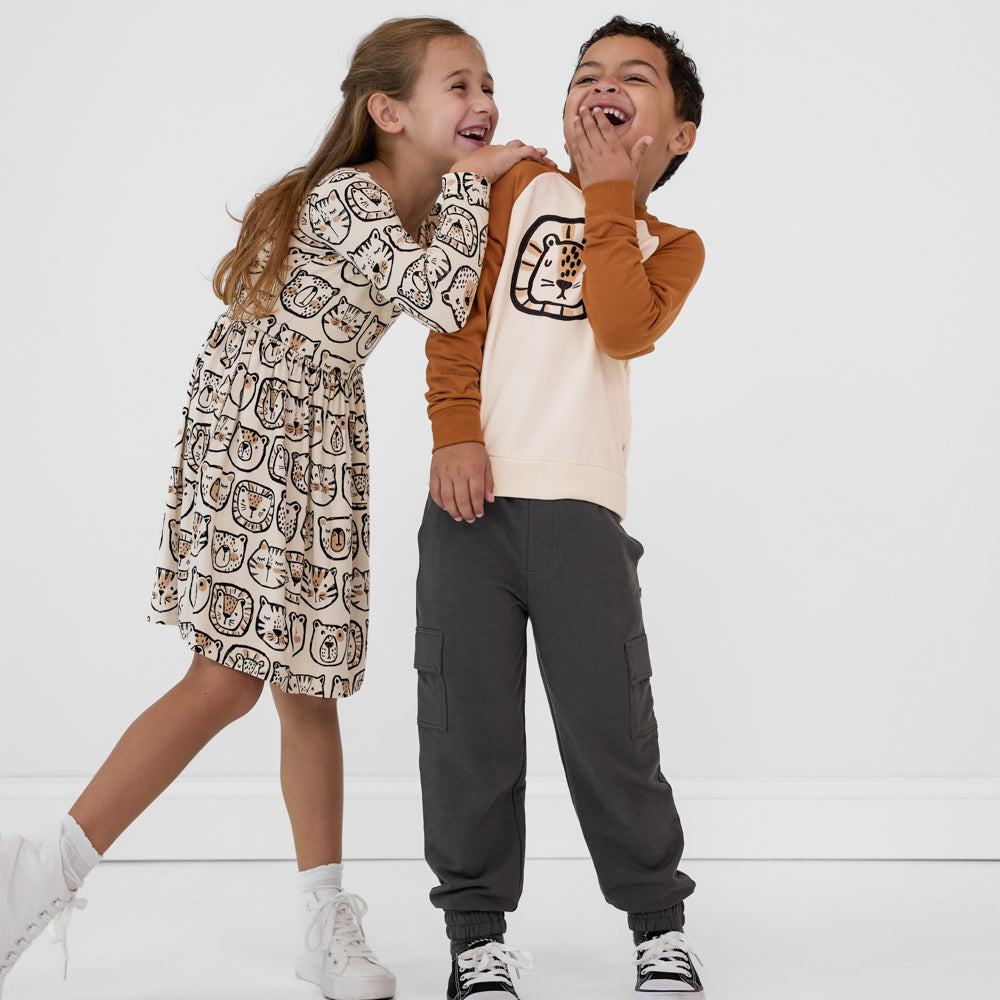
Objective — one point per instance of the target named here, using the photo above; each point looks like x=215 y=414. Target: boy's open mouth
x=615 y=116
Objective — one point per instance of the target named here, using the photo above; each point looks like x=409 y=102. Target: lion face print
x=548 y=277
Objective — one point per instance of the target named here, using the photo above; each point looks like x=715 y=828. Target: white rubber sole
x=374 y=988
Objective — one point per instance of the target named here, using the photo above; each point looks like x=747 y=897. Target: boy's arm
x=460 y=477
x=630 y=302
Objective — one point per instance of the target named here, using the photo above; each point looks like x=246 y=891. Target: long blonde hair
x=388 y=60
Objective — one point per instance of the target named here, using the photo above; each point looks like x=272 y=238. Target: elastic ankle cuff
x=658 y=921
x=464 y=925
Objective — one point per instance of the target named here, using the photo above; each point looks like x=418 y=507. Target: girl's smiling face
x=451 y=111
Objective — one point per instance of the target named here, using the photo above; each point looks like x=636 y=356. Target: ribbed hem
x=537 y=479
x=657 y=921
x=456 y=424
x=466 y=925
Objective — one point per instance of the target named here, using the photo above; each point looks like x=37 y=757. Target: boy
x=578 y=279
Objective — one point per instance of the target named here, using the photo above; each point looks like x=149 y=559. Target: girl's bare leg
x=159 y=745
x=312 y=776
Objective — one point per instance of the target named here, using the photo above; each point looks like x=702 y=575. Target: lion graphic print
x=264 y=555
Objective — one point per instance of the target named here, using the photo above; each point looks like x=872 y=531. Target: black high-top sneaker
x=483 y=971
x=665 y=967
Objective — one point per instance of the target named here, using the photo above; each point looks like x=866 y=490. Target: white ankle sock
x=321 y=877
x=79 y=858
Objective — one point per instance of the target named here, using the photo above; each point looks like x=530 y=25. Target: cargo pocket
x=428 y=658
x=640 y=670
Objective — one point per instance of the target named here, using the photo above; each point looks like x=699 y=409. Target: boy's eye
x=583 y=79
x=637 y=77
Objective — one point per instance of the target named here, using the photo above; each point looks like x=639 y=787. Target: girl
x=263 y=561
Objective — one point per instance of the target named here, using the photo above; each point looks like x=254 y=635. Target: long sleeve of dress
x=455 y=359
x=434 y=280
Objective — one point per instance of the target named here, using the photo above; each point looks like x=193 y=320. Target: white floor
x=765 y=930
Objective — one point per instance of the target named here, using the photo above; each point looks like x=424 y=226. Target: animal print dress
x=264 y=556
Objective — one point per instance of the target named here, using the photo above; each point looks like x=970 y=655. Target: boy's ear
x=382 y=109
x=683 y=139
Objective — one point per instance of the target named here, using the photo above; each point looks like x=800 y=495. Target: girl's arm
x=352 y=215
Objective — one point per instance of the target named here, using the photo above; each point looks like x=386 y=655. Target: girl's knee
x=233 y=692
x=304 y=707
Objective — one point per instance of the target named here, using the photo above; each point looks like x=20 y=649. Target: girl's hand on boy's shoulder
x=598 y=153
x=461 y=480
x=492 y=162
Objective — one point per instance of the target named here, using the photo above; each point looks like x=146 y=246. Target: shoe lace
x=666 y=953
x=491 y=963
x=61 y=923
x=337 y=922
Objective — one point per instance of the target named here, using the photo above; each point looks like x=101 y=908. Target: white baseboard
x=244 y=818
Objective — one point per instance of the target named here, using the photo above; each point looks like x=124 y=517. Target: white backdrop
x=814 y=466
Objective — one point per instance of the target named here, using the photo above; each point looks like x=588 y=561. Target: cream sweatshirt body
x=575 y=284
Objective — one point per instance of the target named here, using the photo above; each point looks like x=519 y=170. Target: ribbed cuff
x=455 y=424
x=658 y=921
x=466 y=925
x=610 y=198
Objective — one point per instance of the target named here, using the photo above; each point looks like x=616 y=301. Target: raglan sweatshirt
x=575 y=284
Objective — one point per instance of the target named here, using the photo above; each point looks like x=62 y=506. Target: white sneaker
x=33 y=892
x=335 y=955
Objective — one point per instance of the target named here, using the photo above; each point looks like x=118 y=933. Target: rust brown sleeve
x=630 y=302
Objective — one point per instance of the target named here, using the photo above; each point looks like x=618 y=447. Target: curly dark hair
x=681 y=71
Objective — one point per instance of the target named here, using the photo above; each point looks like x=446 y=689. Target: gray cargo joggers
x=569 y=567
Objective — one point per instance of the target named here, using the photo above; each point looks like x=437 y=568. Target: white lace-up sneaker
x=335 y=955
x=484 y=972
x=665 y=967
x=33 y=892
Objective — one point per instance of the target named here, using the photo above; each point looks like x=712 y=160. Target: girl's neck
x=413 y=191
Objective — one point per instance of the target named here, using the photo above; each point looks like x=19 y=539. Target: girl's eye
x=635 y=76
x=584 y=79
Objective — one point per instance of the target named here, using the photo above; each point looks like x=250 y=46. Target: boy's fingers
x=476 y=491
x=463 y=501
x=580 y=132
x=639 y=149
x=488 y=483
x=448 y=499
x=601 y=121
